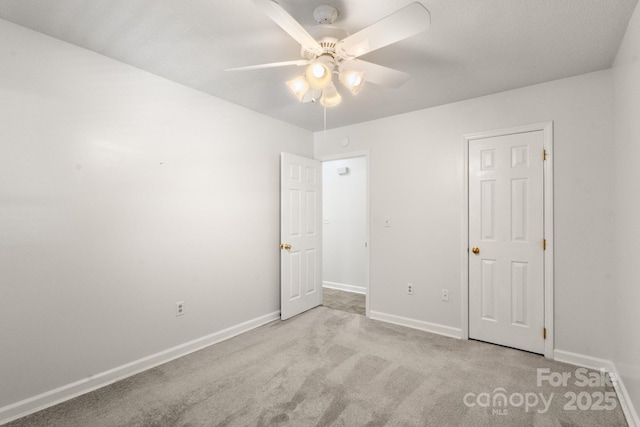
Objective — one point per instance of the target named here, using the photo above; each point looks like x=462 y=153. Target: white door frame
x=547 y=129
x=366 y=155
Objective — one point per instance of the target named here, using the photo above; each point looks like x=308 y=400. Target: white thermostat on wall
x=343 y=171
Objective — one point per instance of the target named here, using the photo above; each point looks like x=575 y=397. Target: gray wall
x=626 y=328
x=122 y=193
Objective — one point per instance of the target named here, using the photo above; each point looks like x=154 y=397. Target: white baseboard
x=69 y=391
x=582 y=360
x=435 y=328
x=625 y=400
x=343 y=287
x=602 y=364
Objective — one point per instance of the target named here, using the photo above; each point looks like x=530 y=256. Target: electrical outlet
x=179 y=308
x=445 y=295
x=410 y=288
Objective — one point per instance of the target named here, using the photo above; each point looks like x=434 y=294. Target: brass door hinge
x=544 y=333
x=544 y=154
x=544 y=244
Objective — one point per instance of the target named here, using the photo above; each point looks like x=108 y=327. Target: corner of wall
x=626 y=230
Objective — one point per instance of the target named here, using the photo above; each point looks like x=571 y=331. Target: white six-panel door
x=300 y=234
x=506 y=233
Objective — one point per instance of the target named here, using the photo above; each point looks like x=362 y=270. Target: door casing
x=547 y=129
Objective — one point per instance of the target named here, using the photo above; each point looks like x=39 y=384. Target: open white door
x=300 y=234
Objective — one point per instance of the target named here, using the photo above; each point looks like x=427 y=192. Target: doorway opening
x=345 y=233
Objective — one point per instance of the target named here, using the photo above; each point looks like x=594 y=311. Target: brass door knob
x=475 y=250
x=286 y=246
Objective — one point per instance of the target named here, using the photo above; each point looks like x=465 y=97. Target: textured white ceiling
x=473 y=48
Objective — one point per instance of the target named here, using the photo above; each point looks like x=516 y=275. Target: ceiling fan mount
x=326 y=47
x=325 y=14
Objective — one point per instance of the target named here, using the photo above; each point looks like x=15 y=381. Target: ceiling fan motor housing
x=327 y=36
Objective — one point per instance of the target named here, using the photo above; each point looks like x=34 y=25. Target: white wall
x=344 y=214
x=627 y=208
x=120 y=194
x=416 y=170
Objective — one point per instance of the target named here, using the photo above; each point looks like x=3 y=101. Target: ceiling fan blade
x=280 y=16
x=378 y=74
x=298 y=62
x=406 y=22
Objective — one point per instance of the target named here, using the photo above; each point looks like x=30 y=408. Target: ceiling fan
x=327 y=50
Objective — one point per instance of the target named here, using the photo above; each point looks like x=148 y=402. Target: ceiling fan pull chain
x=325 y=122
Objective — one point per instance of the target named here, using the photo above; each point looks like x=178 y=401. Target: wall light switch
x=387 y=222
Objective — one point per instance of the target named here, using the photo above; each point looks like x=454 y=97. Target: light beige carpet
x=344 y=301
x=328 y=367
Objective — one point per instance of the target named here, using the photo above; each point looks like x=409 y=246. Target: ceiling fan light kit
x=330 y=97
x=352 y=80
x=318 y=75
x=299 y=86
x=327 y=50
